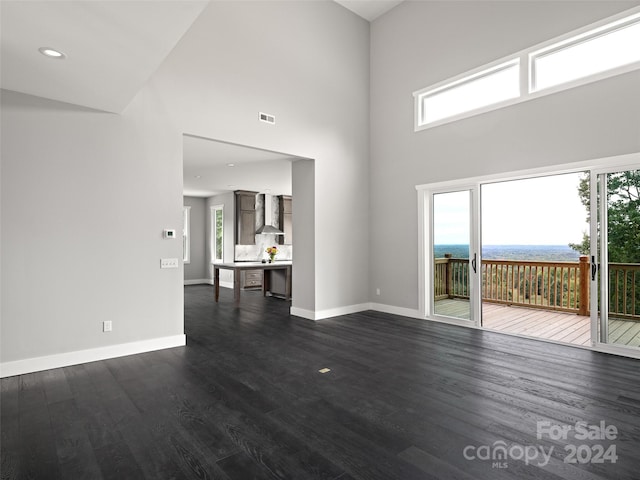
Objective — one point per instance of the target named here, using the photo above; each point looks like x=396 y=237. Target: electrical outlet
x=107 y=326
x=377 y=291
x=168 y=263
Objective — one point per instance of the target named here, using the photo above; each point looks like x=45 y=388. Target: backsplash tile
x=255 y=253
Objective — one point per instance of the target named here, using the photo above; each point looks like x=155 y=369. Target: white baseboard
x=301 y=312
x=29 y=365
x=199 y=281
x=331 y=312
x=336 y=312
x=402 y=311
x=208 y=281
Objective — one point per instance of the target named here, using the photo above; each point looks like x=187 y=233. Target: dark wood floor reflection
x=404 y=399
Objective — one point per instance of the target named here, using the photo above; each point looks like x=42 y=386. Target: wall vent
x=265 y=117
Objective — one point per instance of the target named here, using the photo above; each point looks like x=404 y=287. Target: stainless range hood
x=268 y=228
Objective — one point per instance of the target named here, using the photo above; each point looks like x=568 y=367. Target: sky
x=537 y=211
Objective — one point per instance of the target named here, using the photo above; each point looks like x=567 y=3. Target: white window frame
x=214 y=239
x=467 y=78
x=424 y=192
x=526 y=58
x=425 y=237
x=186 y=234
x=575 y=39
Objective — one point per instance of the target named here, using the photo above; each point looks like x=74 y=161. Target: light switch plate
x=168 y=263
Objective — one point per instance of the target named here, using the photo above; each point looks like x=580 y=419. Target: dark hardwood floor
x=405 y=399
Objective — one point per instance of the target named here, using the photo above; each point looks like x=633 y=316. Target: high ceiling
x=101 y=40
x=112 y=48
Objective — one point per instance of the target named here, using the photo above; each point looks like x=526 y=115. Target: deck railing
x=624 y=290
x=561 y=286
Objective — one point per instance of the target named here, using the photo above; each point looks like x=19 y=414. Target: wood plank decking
x=557 y=326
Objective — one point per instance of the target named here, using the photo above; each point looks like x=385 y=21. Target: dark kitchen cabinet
x=245 y=217
x=251 y=279
x=285 y=220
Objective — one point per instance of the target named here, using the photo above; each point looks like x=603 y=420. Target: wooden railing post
x=583 y=305
x=448 y=275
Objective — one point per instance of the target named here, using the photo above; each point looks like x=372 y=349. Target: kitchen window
x=186 y=234
x=217 y=233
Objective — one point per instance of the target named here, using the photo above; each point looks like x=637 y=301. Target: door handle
x=594 y=267
x=473 y=263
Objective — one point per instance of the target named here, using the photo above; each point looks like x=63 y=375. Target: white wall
x=308 y=64
x=302 y=176
x=421 y=43
x=86 y=195
x=197 y=269
x=85 y=198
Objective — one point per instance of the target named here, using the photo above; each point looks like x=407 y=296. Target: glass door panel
x=535 y=257
x=619 y=247
x=451 y=251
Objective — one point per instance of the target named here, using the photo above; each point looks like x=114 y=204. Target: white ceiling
x=369 y=9
x=254 y=169
x=112 y=47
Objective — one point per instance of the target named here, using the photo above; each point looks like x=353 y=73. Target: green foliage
x=584 y=247
x=219 y=233
x=623 y=211
x=624 y=217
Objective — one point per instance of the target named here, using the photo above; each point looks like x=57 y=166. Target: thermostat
x=169 y=233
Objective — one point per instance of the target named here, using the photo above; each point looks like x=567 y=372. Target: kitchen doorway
x=213 y=171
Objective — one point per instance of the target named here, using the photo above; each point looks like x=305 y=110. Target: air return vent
x=265 y=117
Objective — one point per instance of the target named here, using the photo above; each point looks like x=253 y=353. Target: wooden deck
x=557 y=326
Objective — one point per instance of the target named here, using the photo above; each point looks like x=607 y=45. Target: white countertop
x=252 y=265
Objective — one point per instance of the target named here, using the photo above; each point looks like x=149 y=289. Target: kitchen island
x=237 y=267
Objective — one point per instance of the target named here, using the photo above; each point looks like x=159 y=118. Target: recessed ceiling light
x=231 y=164
x=197 y=176
x=231 y=186
x=51 y=53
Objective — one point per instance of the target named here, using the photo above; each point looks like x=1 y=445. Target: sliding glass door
x=554 y=256
x=535 y=271
x=452 y=252
x=617 y=243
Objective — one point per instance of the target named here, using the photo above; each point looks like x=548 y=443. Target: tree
x=584 y=247
x=623 y=212
x=624 y=217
